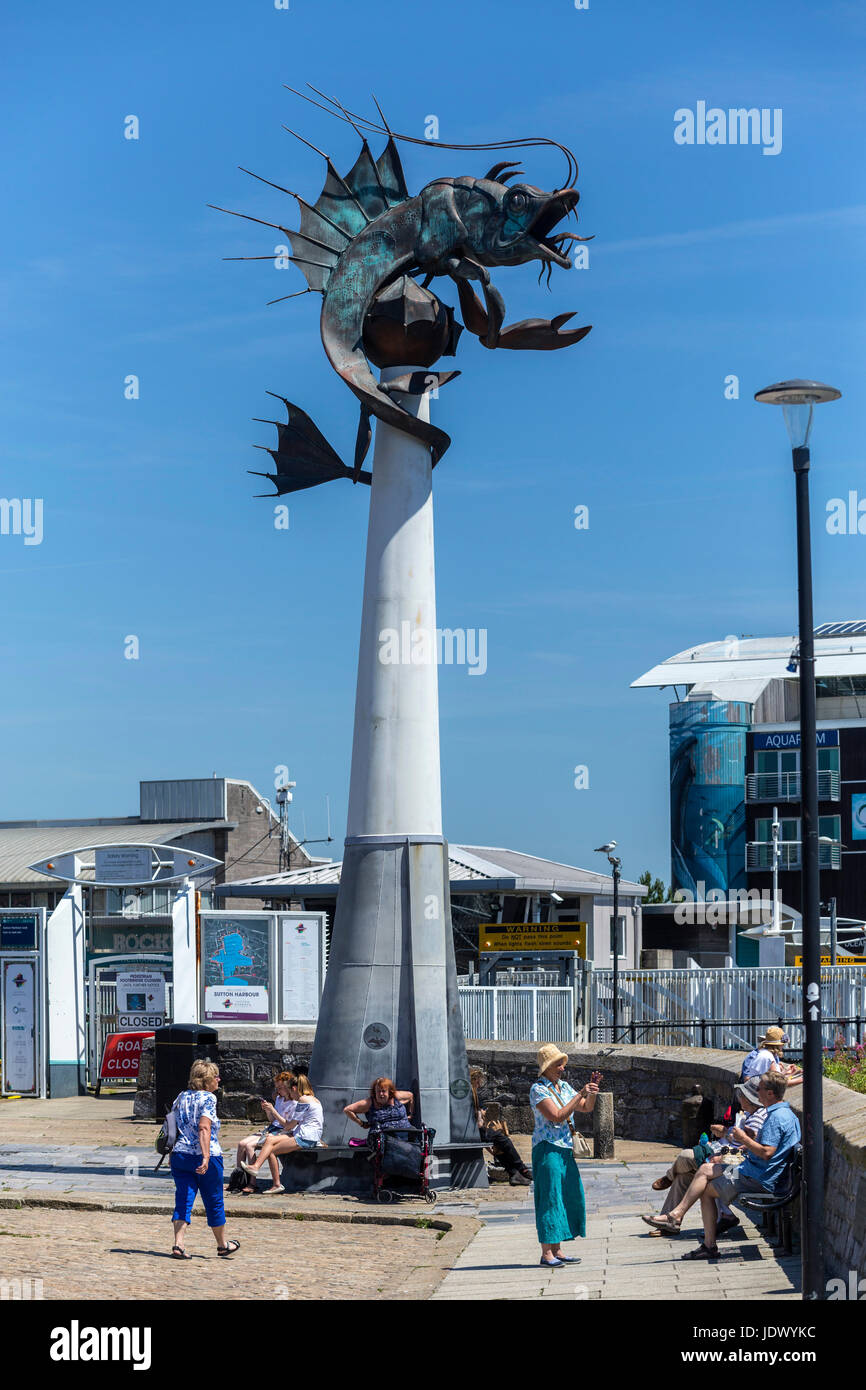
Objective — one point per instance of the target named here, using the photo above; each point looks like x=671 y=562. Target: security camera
x=259 y=811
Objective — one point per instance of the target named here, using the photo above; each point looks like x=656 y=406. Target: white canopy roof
x=739 y=668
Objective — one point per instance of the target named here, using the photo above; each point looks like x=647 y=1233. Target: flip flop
x=178 y=1253
x=661 y=1183
x=230 y=1249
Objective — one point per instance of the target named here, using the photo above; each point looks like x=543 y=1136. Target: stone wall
x=648 y=1086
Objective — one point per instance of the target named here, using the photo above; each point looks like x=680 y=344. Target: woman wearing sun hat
x=560 y=1209
x=767 y=1056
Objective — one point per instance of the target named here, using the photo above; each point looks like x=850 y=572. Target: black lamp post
x=616 y=868
x=797 y=399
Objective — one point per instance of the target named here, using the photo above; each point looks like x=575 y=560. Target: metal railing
x=524 y=1013
x=785 y=786
x=724 y=1008
x=759 y=855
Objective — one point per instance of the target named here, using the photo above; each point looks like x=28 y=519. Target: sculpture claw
x=539 y=335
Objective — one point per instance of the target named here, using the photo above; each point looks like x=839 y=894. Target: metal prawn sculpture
x=365 y=234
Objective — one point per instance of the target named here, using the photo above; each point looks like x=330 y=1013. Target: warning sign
x=840 y=960
x=533 y=936
x=121 y=1055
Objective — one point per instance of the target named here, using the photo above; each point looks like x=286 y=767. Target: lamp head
x=797 y=399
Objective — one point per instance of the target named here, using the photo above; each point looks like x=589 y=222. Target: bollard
x=602 y=1126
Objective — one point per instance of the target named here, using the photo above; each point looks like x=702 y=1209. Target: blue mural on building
x=708 y=820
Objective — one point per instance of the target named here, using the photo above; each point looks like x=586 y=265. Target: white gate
x=102 y=1013
x=520 y=1014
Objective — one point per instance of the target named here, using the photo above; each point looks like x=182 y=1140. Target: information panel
x=123 y=864
x=20 y=1061
x=236 y=960
x=18 y=931
x=302 y=957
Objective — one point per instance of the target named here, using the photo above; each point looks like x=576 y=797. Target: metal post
x=616 y=867
x=813 y=1117
x=833 y=942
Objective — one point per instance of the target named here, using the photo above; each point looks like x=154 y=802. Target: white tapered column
x=390 y=1004
x=395 y=783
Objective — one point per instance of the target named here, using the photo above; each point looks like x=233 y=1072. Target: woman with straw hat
x=560 y=1209
x=767 y=1056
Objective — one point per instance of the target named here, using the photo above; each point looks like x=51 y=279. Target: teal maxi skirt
x=560 y=1207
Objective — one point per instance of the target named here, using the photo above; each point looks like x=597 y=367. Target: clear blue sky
x=707 y=261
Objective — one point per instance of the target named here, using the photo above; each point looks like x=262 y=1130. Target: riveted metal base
x=390 y=1004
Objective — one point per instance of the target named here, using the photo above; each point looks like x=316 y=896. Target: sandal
x=661 y=1183
x=230 y=1249
x=662 y=1223
x=703 y=1252
x=178 y=1253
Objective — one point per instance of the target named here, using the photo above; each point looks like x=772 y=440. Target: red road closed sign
x=121 y=1056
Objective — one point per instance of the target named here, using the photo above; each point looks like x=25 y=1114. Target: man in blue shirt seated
x=765 y=1162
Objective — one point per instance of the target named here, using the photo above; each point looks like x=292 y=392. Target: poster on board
x=235 y=957
x=140 y=999
x=20 y=1070
x=301 y=975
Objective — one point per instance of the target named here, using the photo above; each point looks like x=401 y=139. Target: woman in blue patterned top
x=560 y=1209
x=197 y=1159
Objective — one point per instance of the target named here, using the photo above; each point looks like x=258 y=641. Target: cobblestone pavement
x=81 y=1255
x=620 y=1257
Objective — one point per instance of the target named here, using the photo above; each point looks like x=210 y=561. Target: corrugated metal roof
x=21 y=845
x=470 y=866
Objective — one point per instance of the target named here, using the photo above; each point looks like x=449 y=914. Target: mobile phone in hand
x=596 y=1078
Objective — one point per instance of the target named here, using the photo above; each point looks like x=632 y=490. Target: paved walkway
x=620 y=1257
x=114 y=1165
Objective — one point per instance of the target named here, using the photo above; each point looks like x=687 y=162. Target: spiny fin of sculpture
x=344 y=208
x=303 y=456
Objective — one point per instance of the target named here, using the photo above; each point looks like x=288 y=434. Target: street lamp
x=616 y=865
x=798 y=400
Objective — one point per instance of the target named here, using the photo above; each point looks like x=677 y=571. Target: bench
x=776 y=1208
x=345 y=1169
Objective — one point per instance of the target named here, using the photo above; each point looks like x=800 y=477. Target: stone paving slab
x=620 y=1259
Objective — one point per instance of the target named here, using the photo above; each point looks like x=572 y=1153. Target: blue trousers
x=560 y=1208
x=187 y=1182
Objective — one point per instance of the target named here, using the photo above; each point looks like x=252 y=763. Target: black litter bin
x=175 y=1047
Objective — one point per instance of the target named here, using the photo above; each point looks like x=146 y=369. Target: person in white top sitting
x=278 y=1115
x=303 y=1131
x=767 y=1056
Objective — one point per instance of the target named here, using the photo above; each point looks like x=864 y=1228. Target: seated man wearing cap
x=764 y=1164
x=678 y=1178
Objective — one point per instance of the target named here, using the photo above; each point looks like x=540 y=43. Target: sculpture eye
x=518 y=202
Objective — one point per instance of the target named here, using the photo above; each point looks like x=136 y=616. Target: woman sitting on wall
x=278 y=1115
x=494 y=1133
x=303 y=1131
x=767 y=1056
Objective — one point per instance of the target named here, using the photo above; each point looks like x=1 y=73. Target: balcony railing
x=759 y=855
x=785 y=786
